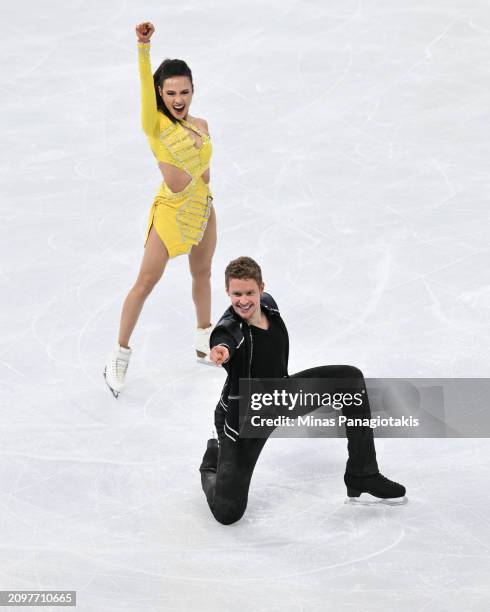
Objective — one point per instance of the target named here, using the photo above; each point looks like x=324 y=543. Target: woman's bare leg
x=155 y=259
x=200 y=259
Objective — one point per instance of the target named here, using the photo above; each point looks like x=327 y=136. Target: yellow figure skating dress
x=179 y=218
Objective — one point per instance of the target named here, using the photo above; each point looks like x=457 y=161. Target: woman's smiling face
x=177 y=94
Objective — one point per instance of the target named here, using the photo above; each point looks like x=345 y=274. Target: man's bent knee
x=228 y=513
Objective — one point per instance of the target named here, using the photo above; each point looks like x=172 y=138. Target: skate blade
x=114 y=393
x=366 y=499
x=206 y=361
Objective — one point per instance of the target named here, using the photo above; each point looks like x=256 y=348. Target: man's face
x=245 y=296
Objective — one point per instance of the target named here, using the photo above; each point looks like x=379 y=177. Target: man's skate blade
x=366 y=499
x=114 y=393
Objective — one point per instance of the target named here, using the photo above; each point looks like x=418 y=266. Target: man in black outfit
x=251 y=341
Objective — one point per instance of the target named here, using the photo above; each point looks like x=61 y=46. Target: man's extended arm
x=222 y=347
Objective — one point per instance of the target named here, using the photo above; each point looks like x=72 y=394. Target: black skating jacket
x=234 y=332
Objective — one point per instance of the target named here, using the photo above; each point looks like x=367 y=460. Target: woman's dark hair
x=169 y=68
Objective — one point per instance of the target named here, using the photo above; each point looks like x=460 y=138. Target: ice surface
x=351 y=156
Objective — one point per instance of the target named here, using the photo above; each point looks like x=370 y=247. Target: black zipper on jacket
x=251 y=352
x=249 y=366
x=250 y=360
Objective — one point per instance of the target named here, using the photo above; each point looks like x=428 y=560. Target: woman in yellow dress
x=182 y=218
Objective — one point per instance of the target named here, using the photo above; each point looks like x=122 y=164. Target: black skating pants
x=227 y=489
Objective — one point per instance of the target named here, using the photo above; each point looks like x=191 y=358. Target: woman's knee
x=145 y=284
x=201 y=273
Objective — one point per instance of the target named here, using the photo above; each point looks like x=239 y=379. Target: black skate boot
x=210 y=459
x=374 y=489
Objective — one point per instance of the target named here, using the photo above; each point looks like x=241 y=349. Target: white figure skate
x=202 y=345
x=115 y=369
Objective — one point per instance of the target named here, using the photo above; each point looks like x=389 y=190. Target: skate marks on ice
x=365 y=156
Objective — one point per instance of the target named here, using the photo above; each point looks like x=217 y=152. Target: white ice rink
x=351 y=159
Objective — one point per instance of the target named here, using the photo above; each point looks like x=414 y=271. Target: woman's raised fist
x=144 y=31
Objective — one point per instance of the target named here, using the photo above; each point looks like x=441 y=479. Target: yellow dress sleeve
x=150 y=120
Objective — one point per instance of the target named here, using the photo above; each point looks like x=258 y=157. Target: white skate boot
x=115 y=369
x=202 y=345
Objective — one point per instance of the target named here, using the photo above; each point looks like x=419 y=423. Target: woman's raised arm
x=149 y=114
